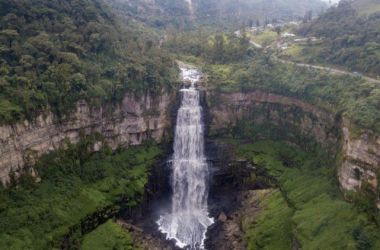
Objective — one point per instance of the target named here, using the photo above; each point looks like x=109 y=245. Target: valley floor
x=290 y=200
x=307 y=211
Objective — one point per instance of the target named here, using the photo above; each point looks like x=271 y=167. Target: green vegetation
x=231 y=64
x=76 y=183
x=108 y=236
x=264 y=38
x=233 y=13
x=158 y=14
x=366 y=7
x=310 y=209
x=349 y=39
x=272 y=229
x=213 y=14
x=54 y=53
x=303 y=53
x=355 y=98
x=217 y=48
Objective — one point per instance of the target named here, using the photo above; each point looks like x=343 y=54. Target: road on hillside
x=329 y=69
x=255 y=44
x=305 y=65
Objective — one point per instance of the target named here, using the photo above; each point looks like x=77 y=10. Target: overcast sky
x=333 y=1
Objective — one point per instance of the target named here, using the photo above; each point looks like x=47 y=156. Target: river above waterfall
x=188 y=219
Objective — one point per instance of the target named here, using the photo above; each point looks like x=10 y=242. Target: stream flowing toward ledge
x=188 y=220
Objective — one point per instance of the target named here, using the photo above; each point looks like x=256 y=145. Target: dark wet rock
x=229 y=234
x=145 y=240
x=222 y=217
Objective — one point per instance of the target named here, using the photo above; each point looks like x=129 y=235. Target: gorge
x=153 y=124
x=249 y=116
x=148 y=118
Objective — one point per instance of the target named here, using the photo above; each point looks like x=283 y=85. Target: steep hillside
x=348 y=39
x=54 y=53
x=157 y=14
x=231 y=65
x=212 y=13
x=366 y=7
x=257 y=9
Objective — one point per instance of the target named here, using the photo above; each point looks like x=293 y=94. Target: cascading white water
x=190 y=3
x=188 y=220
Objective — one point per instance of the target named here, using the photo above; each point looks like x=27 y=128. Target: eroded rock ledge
x=136 y=119
x=361 y=158
x=147 y=117
x=359 y=148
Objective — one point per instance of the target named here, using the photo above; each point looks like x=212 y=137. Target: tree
x=219 y=48
x=278 y=30
x=9 y=35
x=52 y=56
x=308 y=16
x=250 y=23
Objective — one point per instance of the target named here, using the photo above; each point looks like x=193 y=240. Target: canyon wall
x=135 y=119
x=361 y=158
x=359 y=149
x=147 y=117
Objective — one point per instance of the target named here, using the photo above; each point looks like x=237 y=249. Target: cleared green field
x=264 y=38
x=108 y=236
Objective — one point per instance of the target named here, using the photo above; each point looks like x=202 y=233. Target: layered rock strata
x=359 y=148
x=135 y=119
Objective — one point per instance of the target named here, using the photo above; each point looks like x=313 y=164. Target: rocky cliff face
x=260 y=108
x=361 y=158
x=129 y=123
x=360 y=153
x=139 y=118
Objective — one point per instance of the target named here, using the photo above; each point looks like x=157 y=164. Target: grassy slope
x=264 y=38
x=266 y=232
x=37 y=216
x=315 y=213
x=108 y=236
x=304 y=53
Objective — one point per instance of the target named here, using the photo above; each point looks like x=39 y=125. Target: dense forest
x=52 y=56
x=54 y=53
x=158 y=14
x=245 y=10
x=348 y=39
x=222 y=14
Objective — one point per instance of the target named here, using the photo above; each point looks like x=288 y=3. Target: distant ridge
x=366 y=7
x=259 y=9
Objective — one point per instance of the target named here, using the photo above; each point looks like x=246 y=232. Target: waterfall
x=190 y=3
x=188 y=220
